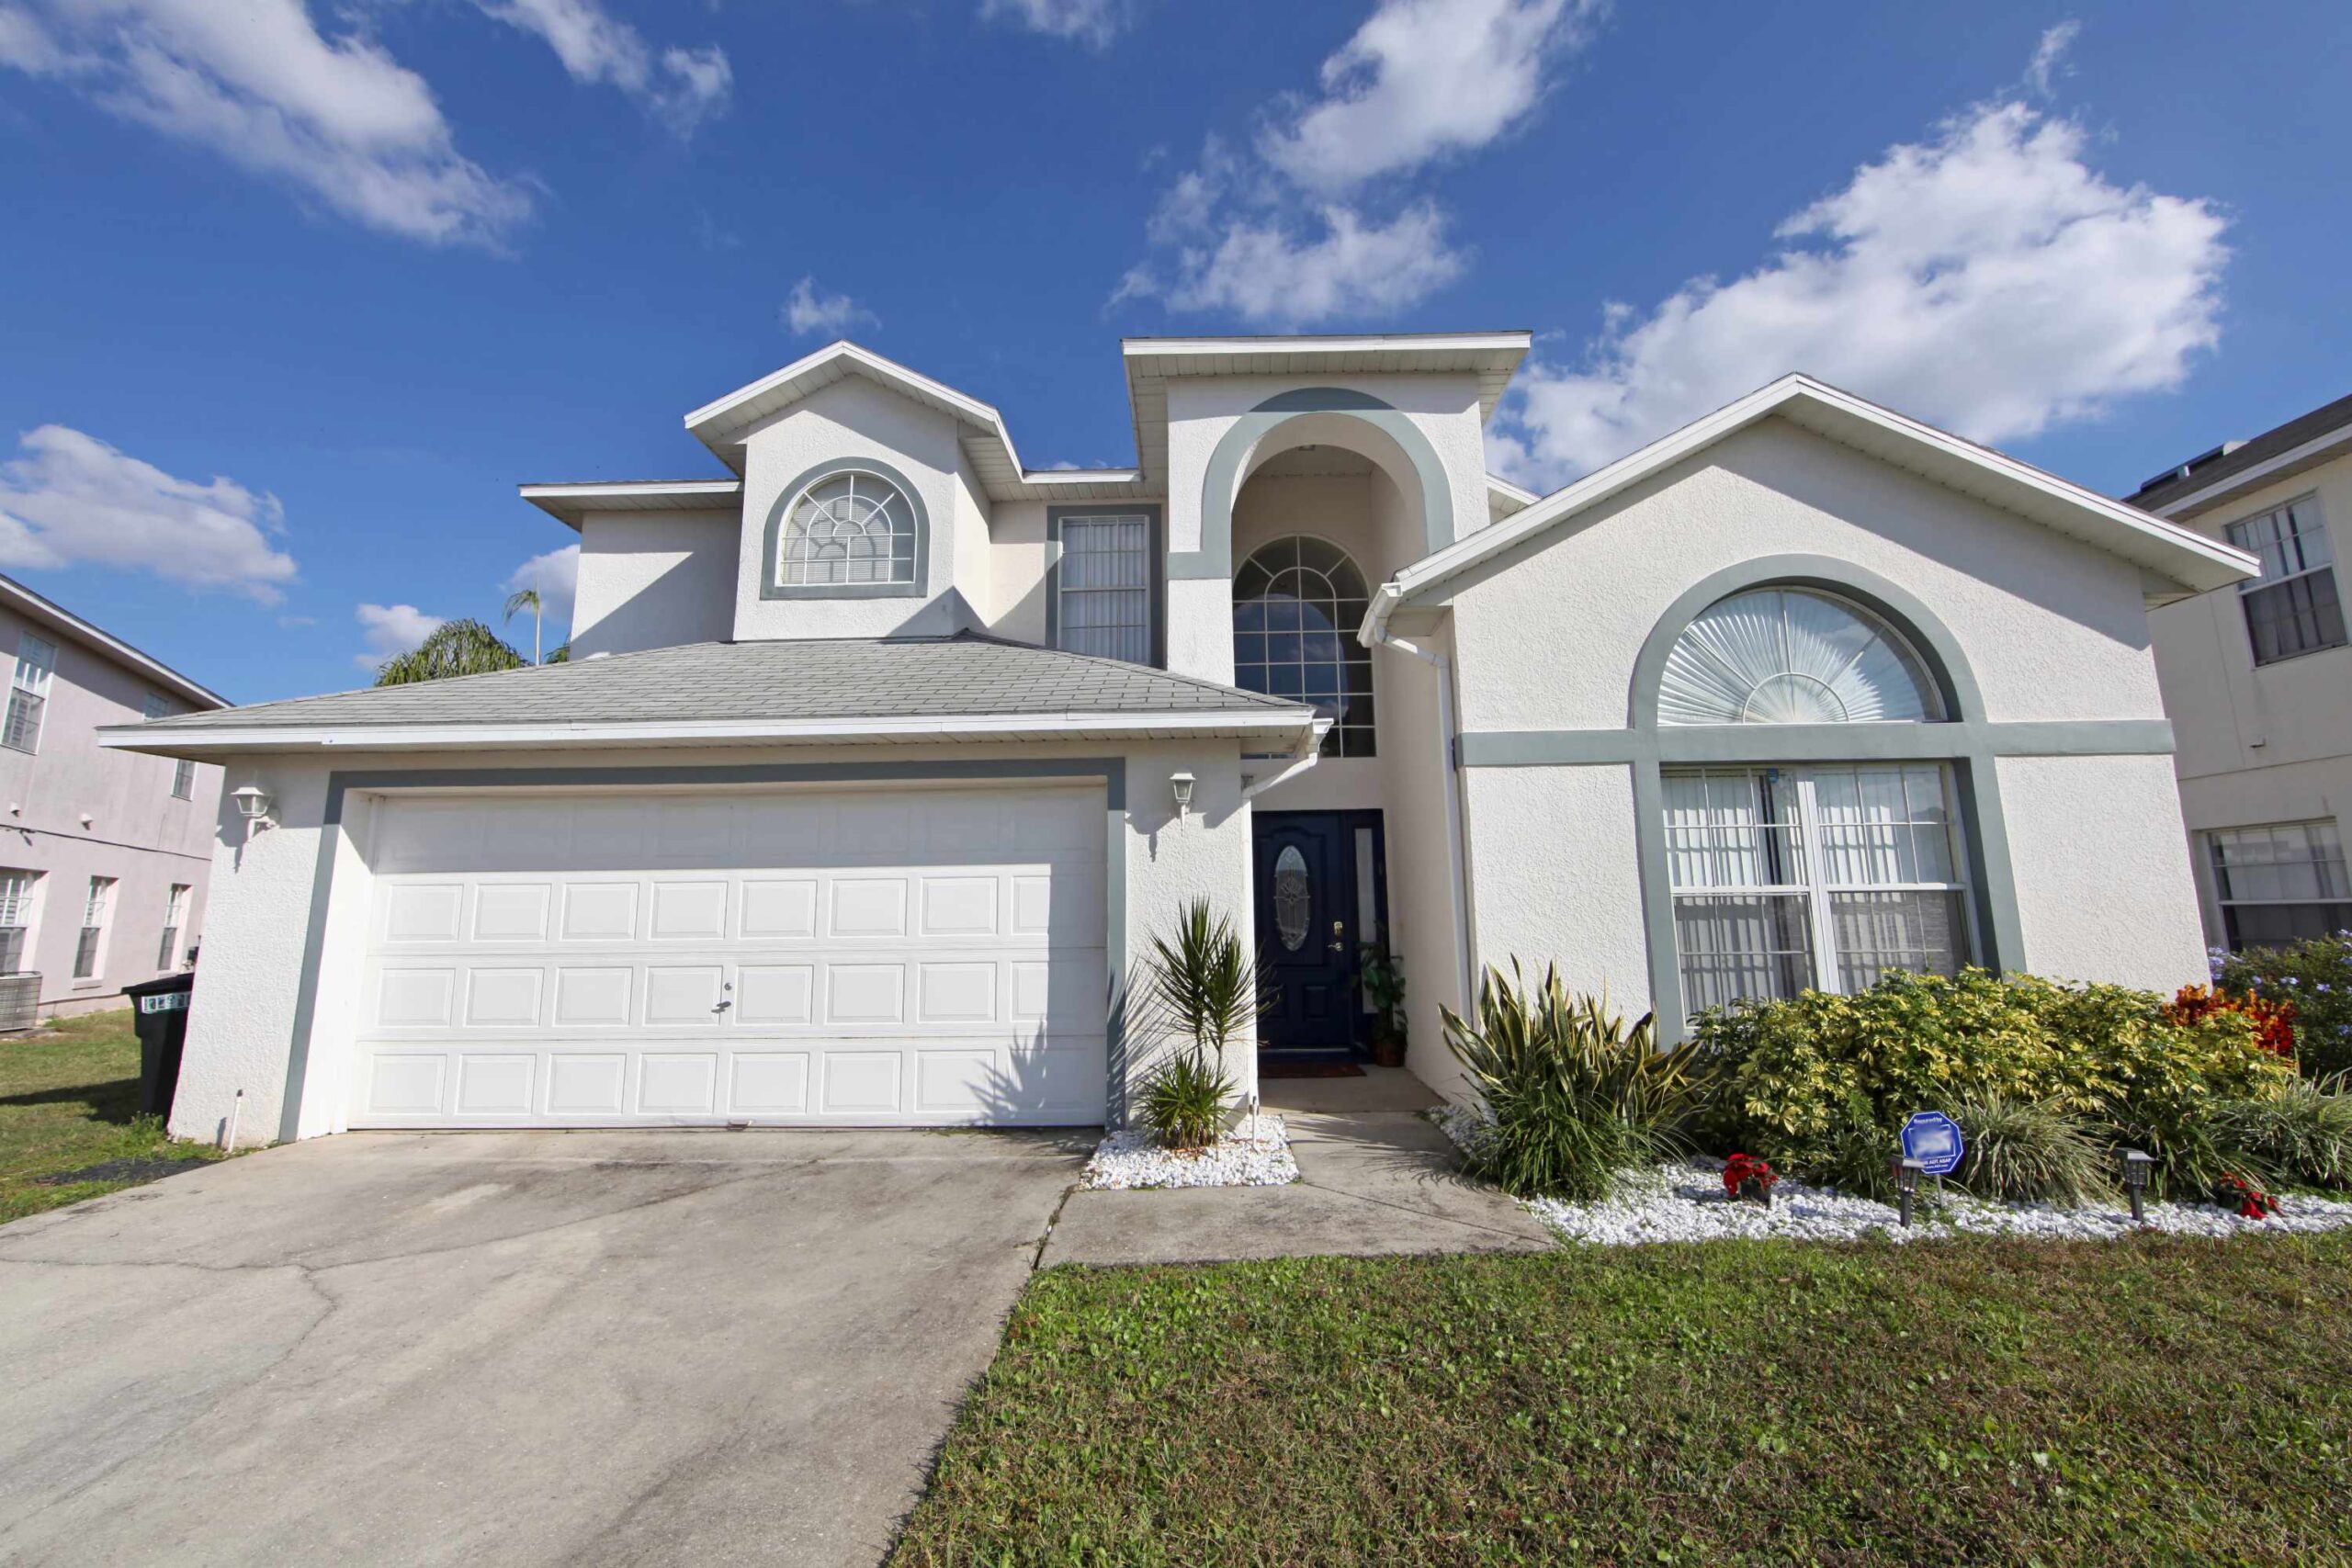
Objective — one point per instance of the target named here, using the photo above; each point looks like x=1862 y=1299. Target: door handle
x=724 y=1002
x=1338 y=936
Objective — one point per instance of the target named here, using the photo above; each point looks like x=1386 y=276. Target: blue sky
x=291 y=298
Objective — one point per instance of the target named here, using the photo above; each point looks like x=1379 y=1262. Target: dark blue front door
x=1307 y=913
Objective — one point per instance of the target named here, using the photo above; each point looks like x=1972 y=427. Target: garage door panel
x=883 y=958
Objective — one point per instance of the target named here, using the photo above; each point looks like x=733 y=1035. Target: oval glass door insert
x=1294 y=899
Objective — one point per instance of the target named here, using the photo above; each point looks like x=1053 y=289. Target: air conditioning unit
x=20 y=1002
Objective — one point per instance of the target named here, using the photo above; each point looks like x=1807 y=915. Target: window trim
x=2308 y=503
x=772 y=543
x=1156 y=591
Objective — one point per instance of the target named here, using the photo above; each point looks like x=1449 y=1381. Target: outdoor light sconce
x=2135 y=1180
x=1907 y=1185
x=1181 y=786
x=253 y=805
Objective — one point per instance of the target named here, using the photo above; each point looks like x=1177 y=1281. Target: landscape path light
x=1907 y=1185
x=2135 y=1180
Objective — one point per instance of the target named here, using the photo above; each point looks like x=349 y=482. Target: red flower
x=1741 y=1170
x=2252 y=1202
x=2274 y=1022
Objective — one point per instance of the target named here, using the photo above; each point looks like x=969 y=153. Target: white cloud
x=1422 y=79
x=390 y=630
x=340 y=119
x=1988 y=280
x=71 y=498
x=682 y=87
x=556 y=575
x=809 y=313
x=1308 y=223
x=1091 y=22
x=2050 y=54
x=1266 y=271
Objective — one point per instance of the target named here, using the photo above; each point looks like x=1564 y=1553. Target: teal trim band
x=770 y=538
x=1688 y=745
x=1155 y=552
x=1112 y=770
x=1215 y=558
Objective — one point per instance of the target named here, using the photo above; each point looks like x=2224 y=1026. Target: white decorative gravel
x=1256 y=1153
x=1685 y=1201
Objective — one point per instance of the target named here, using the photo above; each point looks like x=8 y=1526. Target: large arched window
x=1792 y=656
x=850 y=528
x=1820 y=875
x=1296 y=606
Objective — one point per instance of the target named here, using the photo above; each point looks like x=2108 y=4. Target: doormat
x=1310 y=1070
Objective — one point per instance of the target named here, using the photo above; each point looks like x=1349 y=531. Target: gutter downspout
x=1377 y=635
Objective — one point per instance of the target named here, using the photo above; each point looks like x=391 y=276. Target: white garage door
x=889 y=956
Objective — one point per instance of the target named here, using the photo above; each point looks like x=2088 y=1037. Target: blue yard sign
x=1933 y=1139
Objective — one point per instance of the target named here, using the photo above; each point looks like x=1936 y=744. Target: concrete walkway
x=511 y=1348
x=1375 y=1178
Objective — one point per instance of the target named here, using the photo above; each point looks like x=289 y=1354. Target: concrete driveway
x=587 y=1348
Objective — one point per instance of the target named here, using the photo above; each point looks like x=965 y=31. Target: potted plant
x=1381 y=975
x=1745 y=1175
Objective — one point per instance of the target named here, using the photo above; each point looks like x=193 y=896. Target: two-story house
x=104 y=856
x=883 y=755
x=2257 y=677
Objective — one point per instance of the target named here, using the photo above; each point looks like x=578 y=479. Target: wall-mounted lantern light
x=253 y=805
x=2135 y=1180
x=1181 y=786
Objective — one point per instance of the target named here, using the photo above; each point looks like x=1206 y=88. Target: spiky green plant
x=2030 y=1151
x=2301 y=1133
x=1576 y=1095
x=1185 y=1099
x=1201 y=989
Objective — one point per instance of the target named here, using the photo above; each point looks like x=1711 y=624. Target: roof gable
x=2175 y=560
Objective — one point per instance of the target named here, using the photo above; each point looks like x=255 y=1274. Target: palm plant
x=455 y=647
x=1201 y=987
x=1574 y=1093
x=528 y=599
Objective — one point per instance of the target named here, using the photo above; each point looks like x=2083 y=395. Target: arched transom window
x=853 y=528
x=1820 y=875
x=1792 y=656
x=1296 y=606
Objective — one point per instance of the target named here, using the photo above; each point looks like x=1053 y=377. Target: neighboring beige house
x=883 y=756
x=2259 y=681
x=104 y=856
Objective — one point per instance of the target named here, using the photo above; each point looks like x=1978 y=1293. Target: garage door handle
x=721 y=1007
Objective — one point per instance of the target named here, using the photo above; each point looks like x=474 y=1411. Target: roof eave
x=55 y=617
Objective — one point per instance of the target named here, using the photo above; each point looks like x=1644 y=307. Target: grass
x=2157 y=1400
x=69 y=1100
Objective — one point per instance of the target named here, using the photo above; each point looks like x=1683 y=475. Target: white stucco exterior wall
x=245 y=1013
x=2053 y=628
x=655 y=579
x=2102 y=870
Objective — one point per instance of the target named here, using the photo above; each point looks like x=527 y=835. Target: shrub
x=1575 y=1095
x=2029 y=1151
x=2315 y=978
x=2303 y=1133
x=1183 y=1100
x=2273 y=1022
x=1820 y=1084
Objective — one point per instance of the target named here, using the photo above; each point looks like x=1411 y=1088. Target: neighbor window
x=183 y=779
x=2279 y=884
x=17 y=890
x=847 y=529
x=175 y=917
x=1102 y=587
x=1820 y=878
x=2292 y=607
x=1296 y=606
x=29 y=692
x=91 y=945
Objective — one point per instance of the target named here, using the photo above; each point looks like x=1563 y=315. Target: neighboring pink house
x=104 y=856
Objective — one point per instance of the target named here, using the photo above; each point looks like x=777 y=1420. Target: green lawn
x=69 y=1100
x=2157 y=1399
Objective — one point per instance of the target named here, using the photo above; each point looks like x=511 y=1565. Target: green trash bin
x=159 y=1012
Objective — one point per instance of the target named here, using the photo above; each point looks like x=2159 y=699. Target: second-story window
x=847 y=529
x=1102 y=587
x=1296 y=606
x=183 y=780
x=2292 y=607
x=29 y=692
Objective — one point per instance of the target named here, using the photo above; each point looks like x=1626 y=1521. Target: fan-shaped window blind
x=1792 y=655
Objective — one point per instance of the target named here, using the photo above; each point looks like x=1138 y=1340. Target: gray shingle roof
x=967 y=674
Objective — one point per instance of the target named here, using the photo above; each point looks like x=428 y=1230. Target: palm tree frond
x=455 y=647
